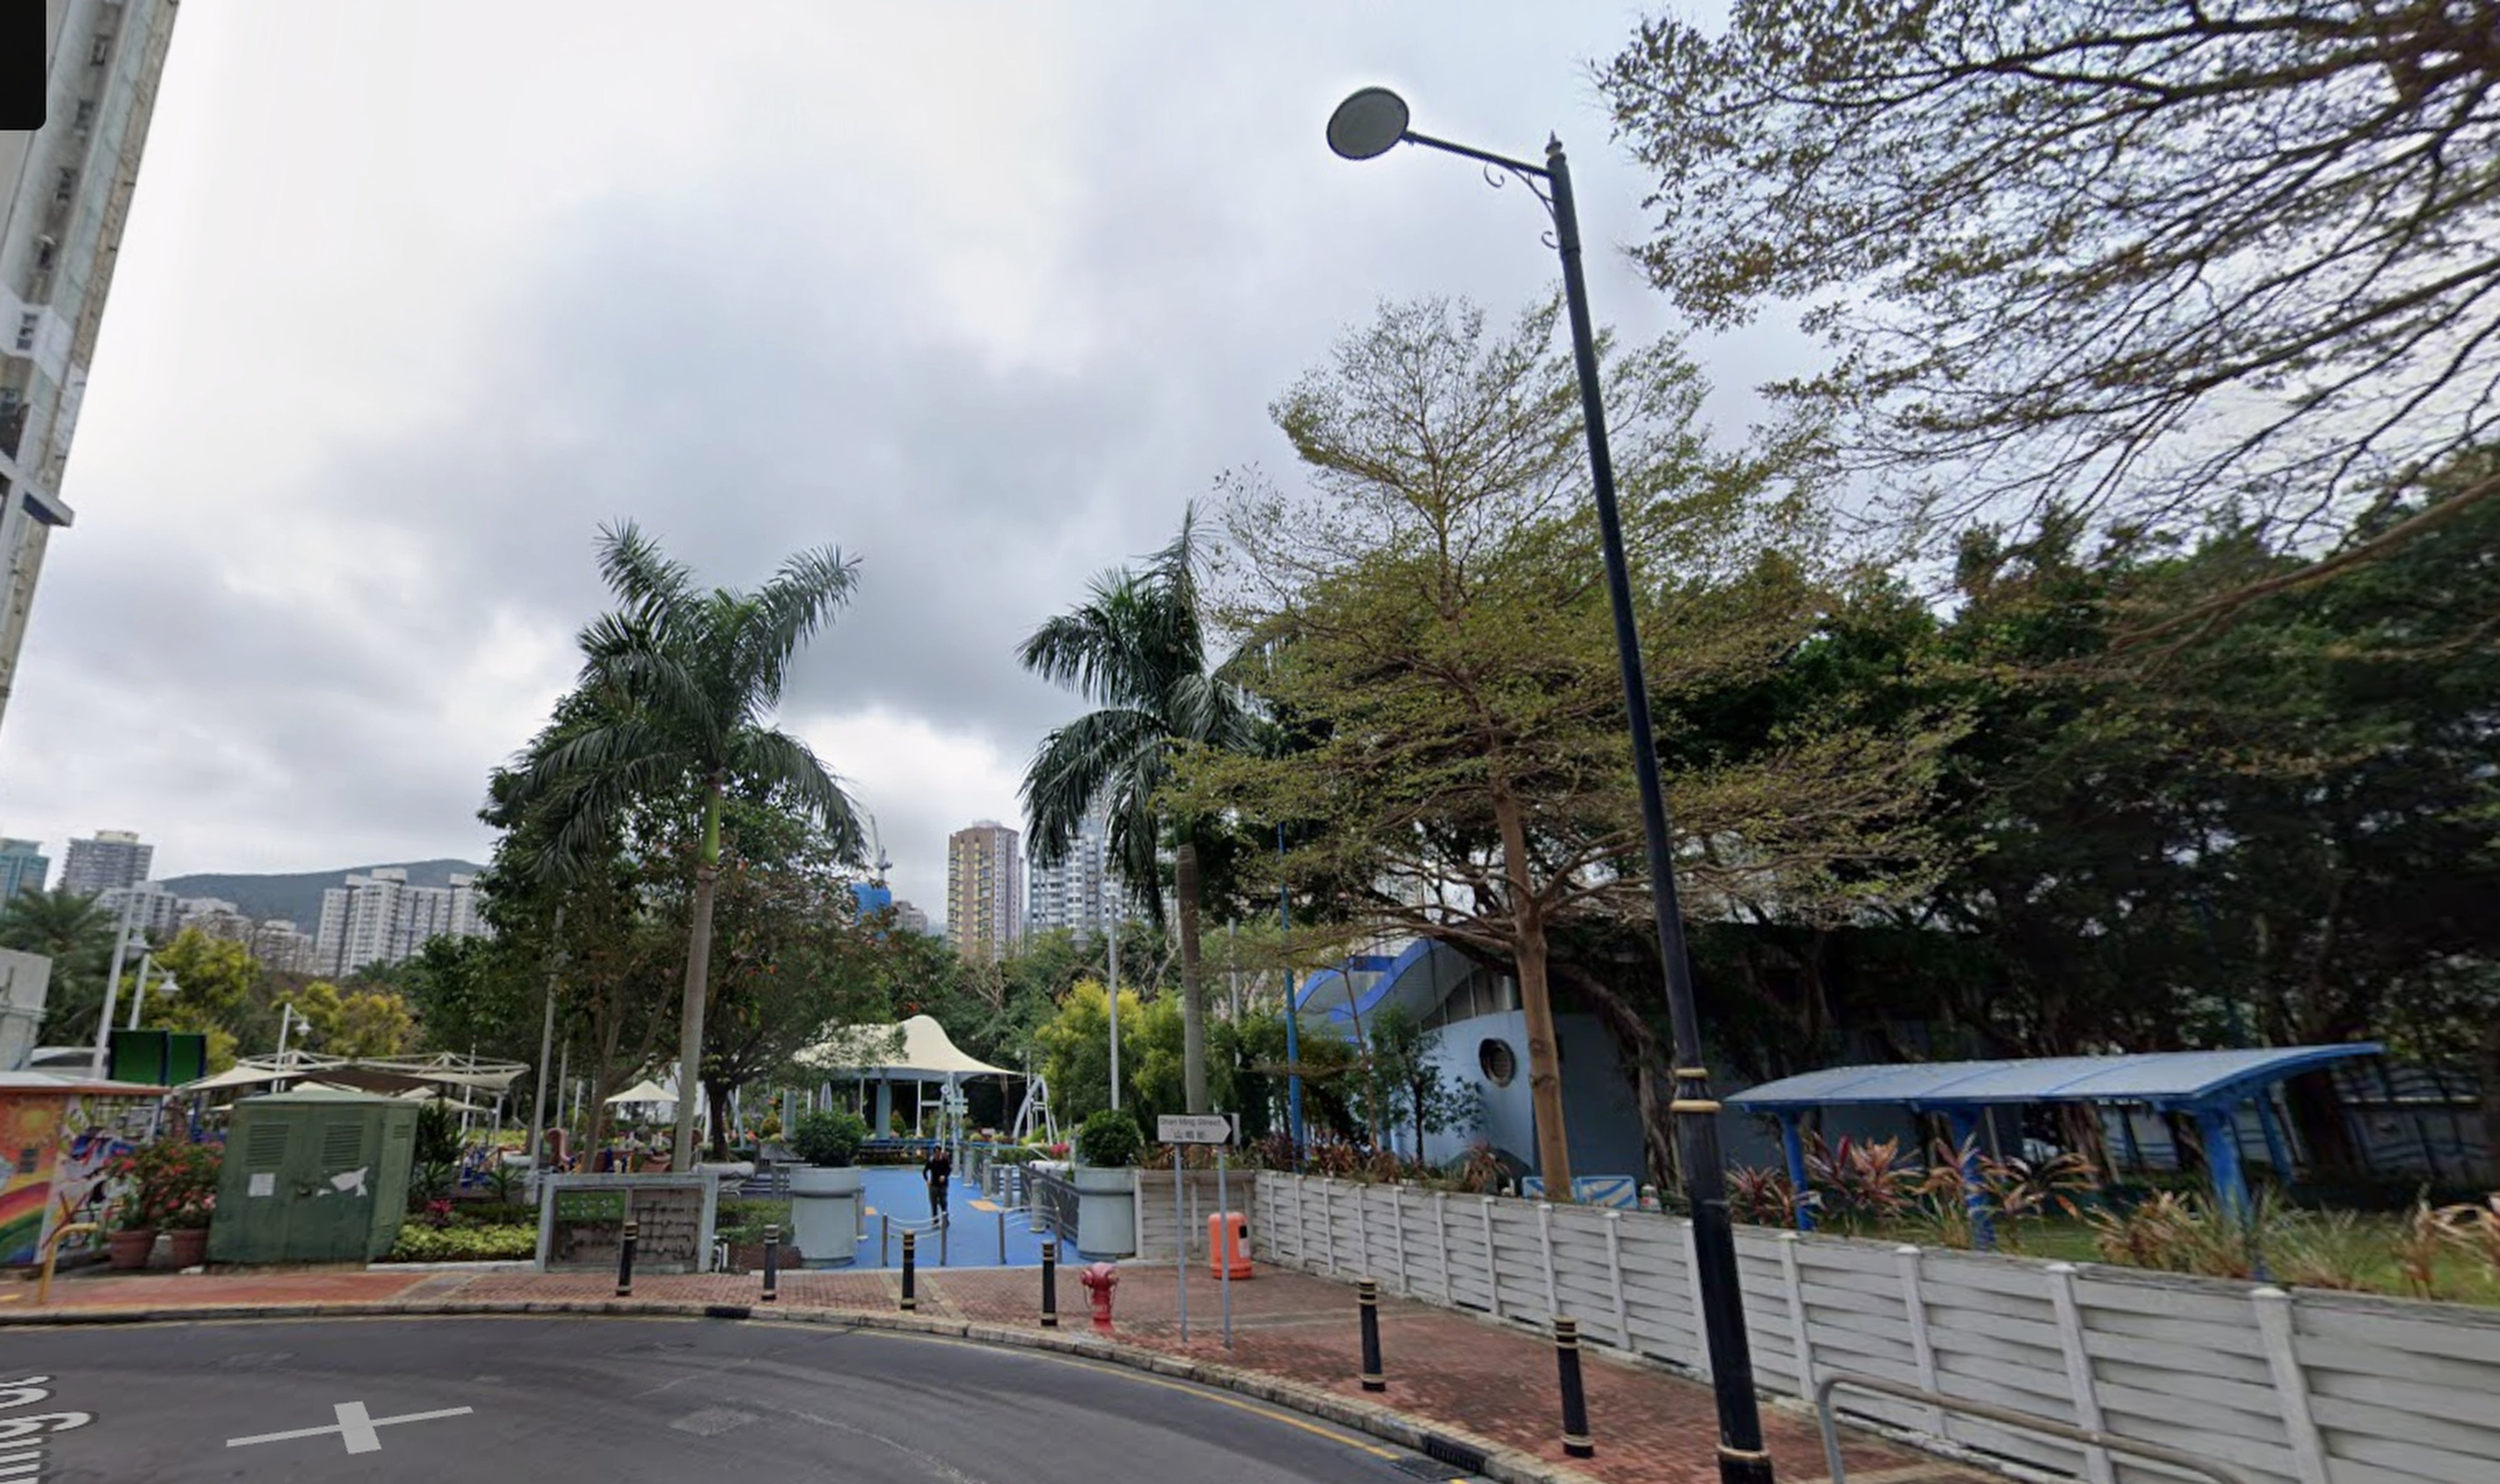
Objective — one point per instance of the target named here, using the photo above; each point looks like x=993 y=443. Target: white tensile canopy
x=645 y=1091
x=917 y=1049
x=383 y=1074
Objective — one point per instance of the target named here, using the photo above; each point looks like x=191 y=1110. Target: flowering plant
x=171 y=1183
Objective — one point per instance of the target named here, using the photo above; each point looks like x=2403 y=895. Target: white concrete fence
x=2305 y=1388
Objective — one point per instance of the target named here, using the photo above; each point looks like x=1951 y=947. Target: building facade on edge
x=68 y=189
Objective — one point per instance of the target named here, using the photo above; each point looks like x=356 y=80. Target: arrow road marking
x=356 y=1427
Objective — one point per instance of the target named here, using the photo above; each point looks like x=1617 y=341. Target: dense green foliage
x=1109 y=1138
x=829 y=1137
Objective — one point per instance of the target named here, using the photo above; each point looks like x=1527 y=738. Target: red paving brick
x=1498 y=1382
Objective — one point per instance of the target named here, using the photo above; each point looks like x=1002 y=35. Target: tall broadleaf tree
x=693 y=677
x=1137 y=648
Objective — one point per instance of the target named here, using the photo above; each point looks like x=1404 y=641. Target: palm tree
x=688 y=681
x=1136 y=648
x=75 y=931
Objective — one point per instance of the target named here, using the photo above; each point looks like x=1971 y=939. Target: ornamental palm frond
x=676 y=693
x=1137 y=650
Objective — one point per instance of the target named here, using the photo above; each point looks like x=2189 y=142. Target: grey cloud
x=730 y=359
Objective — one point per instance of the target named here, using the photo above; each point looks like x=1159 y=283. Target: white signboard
x=1193 y=1129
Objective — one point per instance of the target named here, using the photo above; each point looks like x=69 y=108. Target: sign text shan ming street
x=1193 y=1129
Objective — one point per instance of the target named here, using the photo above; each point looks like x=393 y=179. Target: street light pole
x=112 y=984
x=546 y=1046
x=1372 y=122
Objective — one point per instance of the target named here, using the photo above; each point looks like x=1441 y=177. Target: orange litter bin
x=1227 y=1244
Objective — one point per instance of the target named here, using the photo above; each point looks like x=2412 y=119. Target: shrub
x=463 y=1244
x=1017 y=1154
x=1110 y=1140
x=497 y=1213
x=831 y=1137
x=1763 y=1198
x=438 y=1135
x=430 y=1181
x=1861 y=1180
x=2476 y=1228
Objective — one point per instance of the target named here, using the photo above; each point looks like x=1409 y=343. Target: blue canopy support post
x=1964 y=1123
x=2214 y=1125
x=1792 y=1144
x=2278 y=1148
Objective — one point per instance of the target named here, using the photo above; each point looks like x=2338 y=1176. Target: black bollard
x=910 y=1300
x=1368 y=1296
x=1049 y=1284
x=1576 y=1442
x=772 y=1263
x=625 y=1259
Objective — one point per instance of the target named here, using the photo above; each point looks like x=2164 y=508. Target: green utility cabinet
x=312 y=1176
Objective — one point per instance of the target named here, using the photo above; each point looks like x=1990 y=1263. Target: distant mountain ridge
x=297 y=896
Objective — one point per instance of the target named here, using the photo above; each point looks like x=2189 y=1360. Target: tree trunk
x=1193 y=994
x=690 y=1023
x=1637 y=1040
x=718 y=1097
x=1544 y=1070
x=2318 y=1114
x=2488 y=1068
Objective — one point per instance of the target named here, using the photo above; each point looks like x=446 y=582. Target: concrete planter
x=824 y=1213
x=1107 y=1211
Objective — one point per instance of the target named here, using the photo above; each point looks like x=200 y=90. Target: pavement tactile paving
x=1493 y=1381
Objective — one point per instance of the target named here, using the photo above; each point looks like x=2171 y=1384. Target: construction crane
x=876 y=842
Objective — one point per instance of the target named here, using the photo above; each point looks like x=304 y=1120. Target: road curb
x=1501 y=1463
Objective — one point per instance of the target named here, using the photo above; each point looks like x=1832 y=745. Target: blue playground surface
x=895 y=1198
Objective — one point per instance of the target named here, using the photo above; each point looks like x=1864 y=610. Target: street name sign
x=1193 y=1129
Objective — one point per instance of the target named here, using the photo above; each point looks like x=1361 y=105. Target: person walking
x=935 y=1169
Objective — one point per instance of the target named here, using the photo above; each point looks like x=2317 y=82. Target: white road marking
x=356 y=1427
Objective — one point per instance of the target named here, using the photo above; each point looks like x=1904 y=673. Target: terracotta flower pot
x=189 y=1246
x=130 y=1249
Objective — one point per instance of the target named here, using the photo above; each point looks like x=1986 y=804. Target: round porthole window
x=1498 y=1061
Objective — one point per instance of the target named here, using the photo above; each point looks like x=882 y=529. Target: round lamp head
x=1369 y=124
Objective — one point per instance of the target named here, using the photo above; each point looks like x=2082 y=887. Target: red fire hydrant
x=1099 y=1280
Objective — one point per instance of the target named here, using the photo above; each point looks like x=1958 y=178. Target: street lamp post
x=112 y=985
x=1370 y=124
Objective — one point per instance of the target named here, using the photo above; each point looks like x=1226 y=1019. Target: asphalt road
x=638 y=1402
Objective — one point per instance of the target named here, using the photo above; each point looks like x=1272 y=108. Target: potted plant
x=1108 y=1146
x=189 y=1200
x=133 y=1235
x=158 y=1179
x=824 y=1187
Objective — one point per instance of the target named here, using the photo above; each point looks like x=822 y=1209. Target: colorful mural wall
x=30 y=1141
x=57 y=1148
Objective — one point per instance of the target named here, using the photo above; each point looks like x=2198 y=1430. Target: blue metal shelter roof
x=2163 y=1078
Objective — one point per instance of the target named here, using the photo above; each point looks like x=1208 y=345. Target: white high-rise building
x=64 y=194
x=109 y=860
x=154 y=910
x=1070 y=894
x=380 y=918
x=910 y=918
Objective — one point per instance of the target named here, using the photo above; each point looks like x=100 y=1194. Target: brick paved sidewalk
x=1493 y=1381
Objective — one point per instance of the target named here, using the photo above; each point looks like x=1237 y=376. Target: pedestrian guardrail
x=2002 y=1416
x=1051 y=1203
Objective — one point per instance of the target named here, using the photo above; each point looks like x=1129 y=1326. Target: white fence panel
x=2314 y=1388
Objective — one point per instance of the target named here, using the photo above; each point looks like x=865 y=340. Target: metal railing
x=1053 y=1205
x=2006 y=1417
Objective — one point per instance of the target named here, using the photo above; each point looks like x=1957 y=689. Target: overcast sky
x=414 y=296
